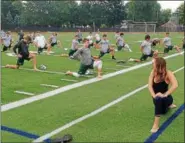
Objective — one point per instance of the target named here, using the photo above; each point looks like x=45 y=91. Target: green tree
x=181 y=13
x=9 y=19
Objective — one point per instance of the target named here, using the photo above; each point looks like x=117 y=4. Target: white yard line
x=25 y=93
x=48 y=85
x=44 y=71
x=95 y=112
x=69 y=80
x=25 y=101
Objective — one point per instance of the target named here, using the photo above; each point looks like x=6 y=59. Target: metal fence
x=112 y=29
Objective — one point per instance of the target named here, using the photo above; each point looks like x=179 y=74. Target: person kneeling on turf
x=23 y=53
x=87 y=61
x=105 y=47
x=146 y=50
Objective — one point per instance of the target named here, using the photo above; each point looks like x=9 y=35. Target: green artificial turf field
x=127 y=121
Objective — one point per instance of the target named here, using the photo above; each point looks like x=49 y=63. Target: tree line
x=104 y=13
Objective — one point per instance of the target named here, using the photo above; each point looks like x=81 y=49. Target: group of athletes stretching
x=81 y=48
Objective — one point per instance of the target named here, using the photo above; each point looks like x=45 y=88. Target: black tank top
x=160 y=87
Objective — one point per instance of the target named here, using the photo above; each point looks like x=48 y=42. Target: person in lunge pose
x=159 y=80
x=23 y=53
x=168 y=44
x=105 y=47
x=146 y=50
x=87 y=61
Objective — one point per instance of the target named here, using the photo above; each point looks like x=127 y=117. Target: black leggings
x=162 y=104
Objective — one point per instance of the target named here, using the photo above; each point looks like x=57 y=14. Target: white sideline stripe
x=69 y=80
x=48 y=85
x=95 y=112
x=25 y=93
x=25 y=101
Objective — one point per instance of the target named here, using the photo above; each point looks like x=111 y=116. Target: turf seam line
x=55 y=92
x=25 y=93
x=49 y=85
x=93 y=113
x=69 y=80
x=154 y=136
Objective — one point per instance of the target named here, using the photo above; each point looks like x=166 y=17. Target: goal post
x=142 y=27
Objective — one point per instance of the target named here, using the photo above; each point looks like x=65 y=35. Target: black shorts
x=120 y=47
x=166 y=50
x=90 y=45
x=183 y=46
x=6 y=48
x=144 y=57
x=103 y=53
x=97 y=42
x=20 y=61
x=53 y=44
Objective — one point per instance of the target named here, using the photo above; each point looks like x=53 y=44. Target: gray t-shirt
x=167 y=41
x=79 y=34
x=104 y=45
x=85 y=53
x=74 y=45
x=146 y=47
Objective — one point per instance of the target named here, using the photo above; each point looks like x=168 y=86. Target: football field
x=116 y=108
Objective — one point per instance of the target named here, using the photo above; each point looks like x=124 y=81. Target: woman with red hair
x=159 y=80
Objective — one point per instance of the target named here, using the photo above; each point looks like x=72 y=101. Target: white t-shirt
x=97 y=36
x=7 y=40
x=90 y=37
x=167 y=41
x=146 y=47
x=53 y=39
x=41 y=41
x=120 y=41
x=74 y=45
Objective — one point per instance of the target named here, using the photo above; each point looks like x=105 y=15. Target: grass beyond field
x=130 y=120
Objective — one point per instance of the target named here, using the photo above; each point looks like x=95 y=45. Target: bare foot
x=35 y=69
x=68 y=72
x=154 y=130
x=7 y=66
x=172 y=106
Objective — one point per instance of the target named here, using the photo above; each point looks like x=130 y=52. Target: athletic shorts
x=183 y=46
x=20 y=61
x=71 y=52
x=97 y=42
x=53 y=44
x=79 y=40
x=166 y=50
x=5 y=48
x=120 y=47
x=90 y=45
x=103 y=53
x=84 y=68
x=144 y=57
